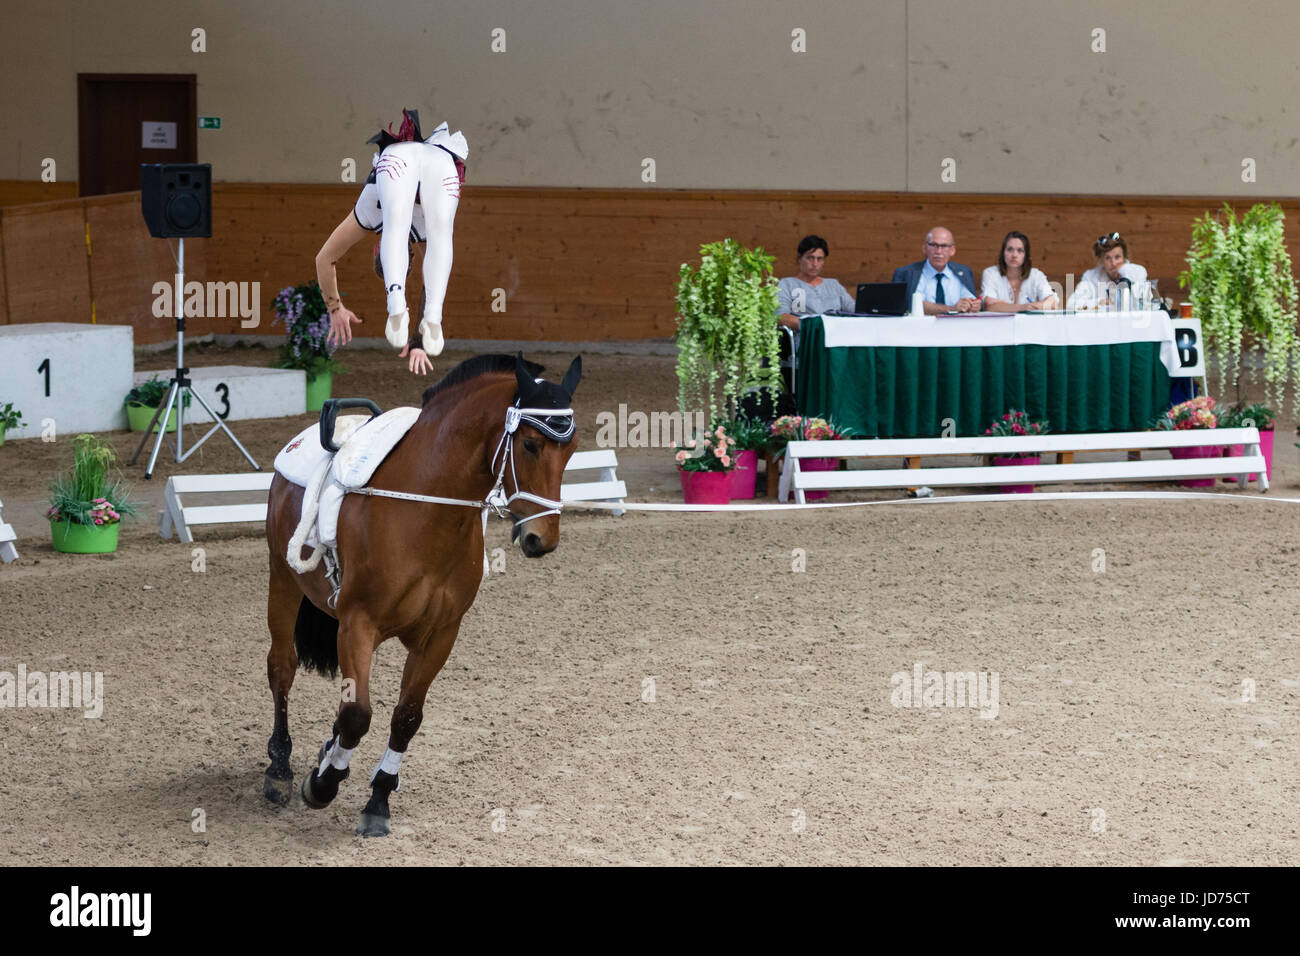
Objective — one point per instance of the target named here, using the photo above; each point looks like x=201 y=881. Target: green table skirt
x=909 y=392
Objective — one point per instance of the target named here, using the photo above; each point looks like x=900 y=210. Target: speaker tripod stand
x=179 y=393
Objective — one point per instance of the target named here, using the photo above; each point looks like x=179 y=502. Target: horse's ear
x=573 y=376
x=524 y=380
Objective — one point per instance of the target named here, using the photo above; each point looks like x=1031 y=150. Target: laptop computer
x=882 y=298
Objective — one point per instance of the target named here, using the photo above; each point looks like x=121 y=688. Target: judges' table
x=902 y=377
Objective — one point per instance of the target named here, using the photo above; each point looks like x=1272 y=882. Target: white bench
x=7 y=538
x=179 y=517
x=798 y=480
x=609 y=488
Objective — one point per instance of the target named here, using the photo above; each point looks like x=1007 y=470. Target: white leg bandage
x=337 y=756
x=391 y=764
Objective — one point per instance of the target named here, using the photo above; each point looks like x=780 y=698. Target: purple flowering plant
x=302 y=310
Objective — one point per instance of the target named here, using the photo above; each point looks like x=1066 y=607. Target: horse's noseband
x=556 y=424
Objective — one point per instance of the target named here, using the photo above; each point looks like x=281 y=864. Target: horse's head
x=540 y=447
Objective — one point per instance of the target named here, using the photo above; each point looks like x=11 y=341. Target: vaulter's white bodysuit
x=402 y=171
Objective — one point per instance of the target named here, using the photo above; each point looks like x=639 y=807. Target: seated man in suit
x=946 y=286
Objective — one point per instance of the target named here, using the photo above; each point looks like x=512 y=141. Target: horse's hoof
x=278 y=790
x=329 y=789
x=373 y=826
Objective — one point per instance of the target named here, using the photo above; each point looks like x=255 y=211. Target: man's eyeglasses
x=939 y=245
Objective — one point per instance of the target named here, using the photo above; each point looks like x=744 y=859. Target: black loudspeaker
x=176 y=199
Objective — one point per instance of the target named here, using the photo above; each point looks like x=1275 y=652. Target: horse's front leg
x=422 y=666
x=358 y=637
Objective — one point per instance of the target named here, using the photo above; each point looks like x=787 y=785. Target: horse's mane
x=473 y=368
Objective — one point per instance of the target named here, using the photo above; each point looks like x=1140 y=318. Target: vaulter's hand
x=419 y=363
x=341 y=320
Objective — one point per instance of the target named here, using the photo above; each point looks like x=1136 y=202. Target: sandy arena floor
x=1120 y=737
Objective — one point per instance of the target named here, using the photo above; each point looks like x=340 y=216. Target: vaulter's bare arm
x=346 y=235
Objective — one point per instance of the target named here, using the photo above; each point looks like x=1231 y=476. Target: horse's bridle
x=555 y=423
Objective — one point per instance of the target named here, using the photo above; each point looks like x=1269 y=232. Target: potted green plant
x=750 y=437
x=1240 y=282
x=705 y=466
x=87 y=503
x=10 y=417
x=1194 y=413
x=726 y=327
x=143 y=400
x=307 y=325
x=790 y=428
x=1250 y=416
x=1011 y=423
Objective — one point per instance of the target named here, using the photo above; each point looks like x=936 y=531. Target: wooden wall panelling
x=45 y=262
x=23 y=192
x=125 y=263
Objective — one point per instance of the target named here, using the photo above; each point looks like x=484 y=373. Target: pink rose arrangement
x=713 y=451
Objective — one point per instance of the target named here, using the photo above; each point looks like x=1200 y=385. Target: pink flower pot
x=706 y=487
x=817 y=464
x=744 y=475
x=1197 y=451
x=1265 y=446
x=1017 y=489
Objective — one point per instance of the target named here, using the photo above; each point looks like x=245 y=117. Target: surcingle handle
x=330 y=411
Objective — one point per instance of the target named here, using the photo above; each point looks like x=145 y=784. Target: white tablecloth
x=979 y=329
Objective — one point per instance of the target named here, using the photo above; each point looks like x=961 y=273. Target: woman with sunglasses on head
x=1099 y=284
x=1013 y=285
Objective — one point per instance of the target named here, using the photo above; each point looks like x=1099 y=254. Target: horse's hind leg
x=356 y=644
x=421 y=668
x=283 y=599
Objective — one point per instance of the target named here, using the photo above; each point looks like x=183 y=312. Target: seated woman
x=1013 y=285
x=1097 y=288
x=809 y=293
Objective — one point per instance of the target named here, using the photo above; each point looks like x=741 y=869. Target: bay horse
x=489 y=434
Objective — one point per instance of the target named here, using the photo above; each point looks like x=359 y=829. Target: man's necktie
x=938 y=290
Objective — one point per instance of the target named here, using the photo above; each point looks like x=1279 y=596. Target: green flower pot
x=84 y=538
x=318 y=389
x=139 y=415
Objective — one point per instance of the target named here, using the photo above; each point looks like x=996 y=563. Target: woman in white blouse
x=1013 y=285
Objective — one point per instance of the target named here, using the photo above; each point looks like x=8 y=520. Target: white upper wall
x=1010 y=90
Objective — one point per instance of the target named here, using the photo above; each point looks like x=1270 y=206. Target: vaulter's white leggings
x=402 y=168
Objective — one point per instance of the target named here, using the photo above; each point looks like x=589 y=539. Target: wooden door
x=112 y=112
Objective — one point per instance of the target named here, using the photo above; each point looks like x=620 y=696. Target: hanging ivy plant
x=726 y=327
x=1239 y=276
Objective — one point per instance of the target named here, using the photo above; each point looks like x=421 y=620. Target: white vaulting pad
x=355 y=465
x=365 y=443
x=299 y=459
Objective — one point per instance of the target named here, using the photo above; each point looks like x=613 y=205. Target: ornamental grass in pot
x=88 y=502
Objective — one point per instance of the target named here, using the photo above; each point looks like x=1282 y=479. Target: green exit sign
x=209 y=122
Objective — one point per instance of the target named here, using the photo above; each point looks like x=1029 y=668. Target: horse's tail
x=316 y=638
